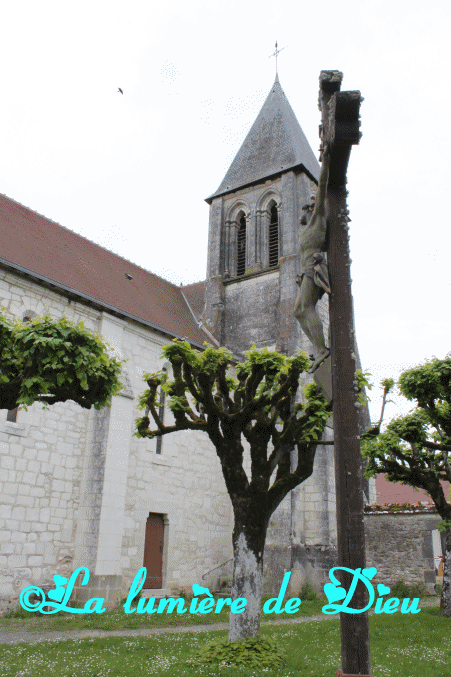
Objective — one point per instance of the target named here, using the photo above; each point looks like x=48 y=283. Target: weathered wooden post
x=340 y=129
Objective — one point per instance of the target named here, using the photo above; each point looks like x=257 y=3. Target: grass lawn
x=401 y=646
x=117 y=619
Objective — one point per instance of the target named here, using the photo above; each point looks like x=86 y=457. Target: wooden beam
x=340 y=129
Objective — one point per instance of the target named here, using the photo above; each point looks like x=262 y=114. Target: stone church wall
x=306 y=518
x=184 y=483
x=41 y=461
x=252 y=312
x=58 y=508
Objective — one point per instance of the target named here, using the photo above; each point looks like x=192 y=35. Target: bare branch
x=188 y=374
x=253 y=381
x=438 y=447
x=274 y=458
x=287 y=481
x=447 y=467
x=224 y=389
x=156 y=418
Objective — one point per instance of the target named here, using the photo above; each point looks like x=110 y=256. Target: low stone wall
x=399 y=544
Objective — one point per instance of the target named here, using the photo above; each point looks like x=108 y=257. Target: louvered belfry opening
x=241 y=257
x=273 y=237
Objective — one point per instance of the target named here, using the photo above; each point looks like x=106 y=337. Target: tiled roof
x=195 y=295
x=274 y=144
x=34 y=244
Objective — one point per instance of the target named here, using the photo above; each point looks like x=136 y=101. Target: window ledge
x=11 y=428
x=248 y=276
x=159 y=459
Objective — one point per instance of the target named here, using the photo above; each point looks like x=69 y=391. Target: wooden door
x=153 y=551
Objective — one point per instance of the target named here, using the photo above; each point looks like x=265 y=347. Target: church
x=77 y=487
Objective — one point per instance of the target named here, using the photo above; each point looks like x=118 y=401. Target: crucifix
x=339 y=130
x=276 y=53
x=326 y=229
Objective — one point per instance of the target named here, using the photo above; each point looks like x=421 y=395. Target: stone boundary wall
x=399 y=545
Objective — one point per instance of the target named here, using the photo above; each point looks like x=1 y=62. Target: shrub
x=401 y=590
x=307 y=593
x=134 y=601
x=257 y=652
x=17 y=612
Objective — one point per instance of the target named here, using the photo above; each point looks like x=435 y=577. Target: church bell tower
x=253 y=234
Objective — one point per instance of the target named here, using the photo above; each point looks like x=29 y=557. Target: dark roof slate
x=37 y=245
x=274 y=144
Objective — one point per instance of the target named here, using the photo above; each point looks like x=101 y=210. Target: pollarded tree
x=416 y=449
x=48 y=361
x=258 y=405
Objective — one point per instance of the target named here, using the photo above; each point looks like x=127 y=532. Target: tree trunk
x=248 y=544
x=445 y=602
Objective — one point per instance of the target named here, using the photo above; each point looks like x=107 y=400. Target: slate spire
x=274 y=144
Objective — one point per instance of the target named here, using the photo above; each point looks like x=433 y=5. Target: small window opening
x=241 y=258
x=11 y=416
x=273 y=237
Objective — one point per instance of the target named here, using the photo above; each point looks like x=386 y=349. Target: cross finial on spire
x=276 y=52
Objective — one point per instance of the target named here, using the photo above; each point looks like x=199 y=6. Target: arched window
x=241 y=244
x=273 y=237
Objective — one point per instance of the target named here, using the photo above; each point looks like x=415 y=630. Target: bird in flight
x=120 y=90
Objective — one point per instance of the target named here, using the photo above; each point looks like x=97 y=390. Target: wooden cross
x=340 y=126
x=276 y=53
x=340 y=130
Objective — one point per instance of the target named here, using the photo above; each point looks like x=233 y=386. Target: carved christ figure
x=314 y=279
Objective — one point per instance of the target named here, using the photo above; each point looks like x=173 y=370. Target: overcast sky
x=131 y=171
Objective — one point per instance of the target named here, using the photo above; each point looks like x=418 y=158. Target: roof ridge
x=191 y=284
x=199 y=323
x=92 y=241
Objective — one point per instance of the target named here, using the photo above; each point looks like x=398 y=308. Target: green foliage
x=134 y=600
x=52 y=361
x=388 y=383
x=401 y=645
x=444 y=525
x=212 y=359
x=264 y=385
x=394 y=446
x=415 y=449
x=308 y=593
x=254 y=402
x=180 y=351
x=276 y=367
x=316 y=413
x=18 y=613
x=428 y=382
x=402 y=590
x=258 y=653
x=361 y=385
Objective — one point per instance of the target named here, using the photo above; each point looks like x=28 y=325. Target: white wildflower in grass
x=401 y=646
